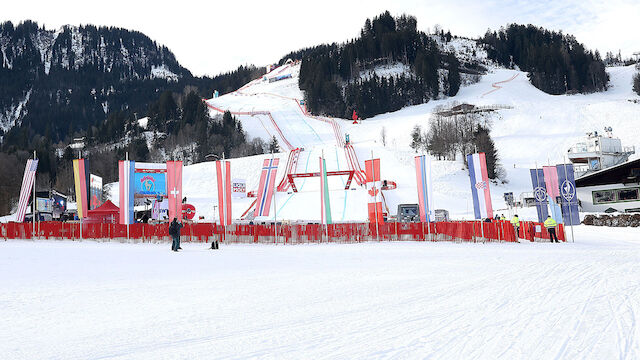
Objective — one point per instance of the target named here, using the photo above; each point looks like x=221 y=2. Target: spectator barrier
x=463 y=231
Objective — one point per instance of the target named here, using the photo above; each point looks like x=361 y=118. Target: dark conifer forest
x=331 y=77
x=557 y=63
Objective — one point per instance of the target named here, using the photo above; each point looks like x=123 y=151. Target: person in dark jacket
x=174 y=231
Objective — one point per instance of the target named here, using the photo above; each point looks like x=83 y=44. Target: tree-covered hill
x=60 y=82
x=557 y=63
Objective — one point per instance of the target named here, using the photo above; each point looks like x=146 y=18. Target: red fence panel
x=467 y=231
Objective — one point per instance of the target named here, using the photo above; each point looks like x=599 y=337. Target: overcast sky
x=213 y=37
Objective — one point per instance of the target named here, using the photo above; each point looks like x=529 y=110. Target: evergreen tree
x=274 y=147
x=416 y=138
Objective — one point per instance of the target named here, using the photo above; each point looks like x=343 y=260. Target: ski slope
x=407 y=300
x=538 y=129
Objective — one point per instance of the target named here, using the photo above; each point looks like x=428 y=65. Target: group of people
x=549 y=224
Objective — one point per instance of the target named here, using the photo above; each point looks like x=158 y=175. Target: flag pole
x=275 y=207
x=322 y=211
x=564 y=165
x=375 y=204
x=224 y=221
x=127 y=199
x=429 y=209
x=33 y=204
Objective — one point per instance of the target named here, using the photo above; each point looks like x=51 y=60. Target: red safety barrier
x=461 y=231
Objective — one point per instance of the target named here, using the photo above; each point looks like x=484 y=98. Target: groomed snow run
x=407 y=300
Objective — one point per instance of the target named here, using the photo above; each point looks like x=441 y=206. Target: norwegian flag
x=265 y=189
x=223 y=177
x=374 y=188
x=25 y=191
x=174 y=189
x=480 y=186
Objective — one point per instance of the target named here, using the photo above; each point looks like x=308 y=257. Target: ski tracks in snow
x=497 y=87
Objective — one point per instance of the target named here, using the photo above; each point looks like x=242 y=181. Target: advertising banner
x=95 y=188
x=150 y=184
x=239 y=188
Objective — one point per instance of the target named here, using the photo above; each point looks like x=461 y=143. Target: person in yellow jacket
x=550 y=225
x=515 y=221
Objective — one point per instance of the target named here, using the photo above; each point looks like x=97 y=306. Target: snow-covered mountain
x=533 y=127
x=76 y=73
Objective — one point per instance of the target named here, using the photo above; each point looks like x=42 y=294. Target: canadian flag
x=374 y=188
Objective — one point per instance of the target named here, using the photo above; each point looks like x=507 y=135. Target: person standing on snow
x=550 y=225
x=174 y=231
x=515 y=221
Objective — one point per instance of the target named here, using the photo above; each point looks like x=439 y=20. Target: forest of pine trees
x=330 y=74
x=557 y=63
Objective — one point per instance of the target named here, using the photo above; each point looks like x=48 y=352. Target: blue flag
x=568 y=194
x=539 y=193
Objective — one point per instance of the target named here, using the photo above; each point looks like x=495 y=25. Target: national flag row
x=554 y=189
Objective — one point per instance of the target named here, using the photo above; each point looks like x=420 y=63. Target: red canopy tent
x=105 y=213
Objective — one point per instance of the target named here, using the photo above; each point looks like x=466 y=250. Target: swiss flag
x=174 y=189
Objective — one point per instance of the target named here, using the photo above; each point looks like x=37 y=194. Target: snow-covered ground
x=407 y=300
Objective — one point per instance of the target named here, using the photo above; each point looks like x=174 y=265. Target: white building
x=616 y=188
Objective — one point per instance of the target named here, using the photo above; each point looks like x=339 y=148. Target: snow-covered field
x=87 y=300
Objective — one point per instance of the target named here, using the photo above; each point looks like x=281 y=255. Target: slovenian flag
x=553 y=191
x=425 y=193
x=324 y=194
x=223 y=176
x=480 y=186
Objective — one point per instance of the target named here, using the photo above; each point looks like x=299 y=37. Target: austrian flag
x=223 y=176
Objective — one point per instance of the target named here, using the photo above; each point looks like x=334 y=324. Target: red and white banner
x=265 y=189
x=25 y=191
x=174 y=189
x=223 y=176
x=374 y=188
